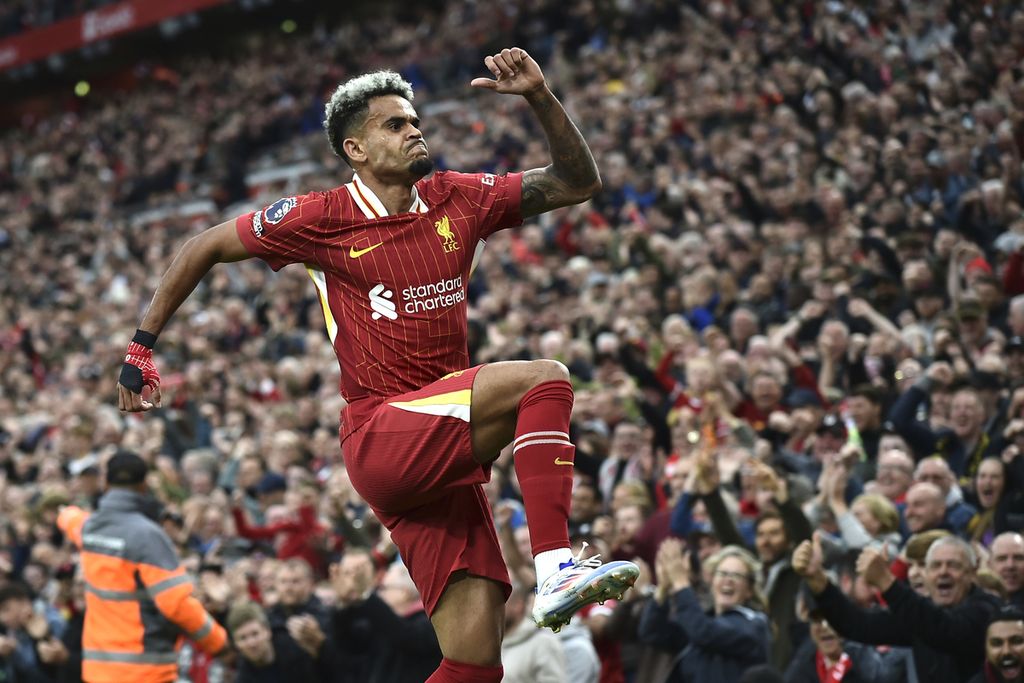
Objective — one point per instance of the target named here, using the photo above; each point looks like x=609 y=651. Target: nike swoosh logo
x=356 y=253
x=559 y=461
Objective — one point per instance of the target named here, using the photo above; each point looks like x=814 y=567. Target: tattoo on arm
x=543 y=191
x=572 y=177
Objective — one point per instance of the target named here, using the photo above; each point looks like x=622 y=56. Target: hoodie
x=532 y=655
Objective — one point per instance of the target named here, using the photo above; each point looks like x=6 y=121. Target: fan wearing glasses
x=714 y=645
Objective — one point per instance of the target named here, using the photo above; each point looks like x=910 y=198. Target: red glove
x=138 y=369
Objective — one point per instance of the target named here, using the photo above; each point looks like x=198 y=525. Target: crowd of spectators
x=794 y=319
x=18 y=16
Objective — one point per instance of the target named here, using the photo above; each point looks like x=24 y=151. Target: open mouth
x=944 y=589
x=1010 y=667
x=727 y=593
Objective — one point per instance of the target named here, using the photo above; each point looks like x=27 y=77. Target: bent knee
x=546 y=370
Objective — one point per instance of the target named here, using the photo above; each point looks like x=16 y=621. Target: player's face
x=392 y=142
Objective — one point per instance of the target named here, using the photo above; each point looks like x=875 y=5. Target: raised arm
x=219 y=244
x=572 y=177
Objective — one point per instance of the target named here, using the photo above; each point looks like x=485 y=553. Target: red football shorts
x=412 y=462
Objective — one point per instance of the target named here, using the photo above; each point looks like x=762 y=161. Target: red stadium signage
x=99 y=24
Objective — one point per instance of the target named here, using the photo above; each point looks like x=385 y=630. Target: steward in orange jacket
x=138 y=602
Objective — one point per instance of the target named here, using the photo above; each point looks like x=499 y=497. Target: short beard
x=421 y=167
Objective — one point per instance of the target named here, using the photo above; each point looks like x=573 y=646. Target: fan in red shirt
x=391 y=254
x=298 y=534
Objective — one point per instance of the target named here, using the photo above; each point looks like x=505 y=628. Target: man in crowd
x=30 y=645
x=1007 y=562
x=294 y=585
x=945 y=632
x=1004 y=648
x=528 y=653
x=296 y=655
x=587 y=504
x=964 y=443
x=935 y=470
x=925 y=508
x=380 y=631
x=128 y=560
x=865 y=406
x=895 y=474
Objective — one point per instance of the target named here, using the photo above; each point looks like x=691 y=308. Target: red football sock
x=543 y=458
x=459 y=672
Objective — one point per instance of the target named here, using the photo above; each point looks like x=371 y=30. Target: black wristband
x=147 y=339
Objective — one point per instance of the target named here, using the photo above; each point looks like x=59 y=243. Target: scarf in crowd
x=836 y=672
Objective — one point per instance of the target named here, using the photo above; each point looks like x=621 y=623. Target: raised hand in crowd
x=808 y=562
x=704 y=476
x=941 y=373
x=769 y=480
x=873 y=566
x=306 y=632
x=672 y=567
x=833 y=486
x=352 y=579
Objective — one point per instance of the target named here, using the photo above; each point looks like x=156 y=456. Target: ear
x=354 y=150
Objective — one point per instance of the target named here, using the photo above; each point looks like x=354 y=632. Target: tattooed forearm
x=542 y=191
x=572 y=176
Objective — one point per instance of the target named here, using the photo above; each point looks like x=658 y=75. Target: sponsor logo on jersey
x=416 y=298
x=487 y=179
x=444 y=231
x=276 y=212
x=257 y=224
x=432 y=296
x=381 y=303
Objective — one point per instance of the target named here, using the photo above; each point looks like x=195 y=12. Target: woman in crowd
x=870 y=521
x=998 y=497
x=715 y=646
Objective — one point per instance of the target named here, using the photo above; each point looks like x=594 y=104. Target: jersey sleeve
x=494 y=198
x=284 y=232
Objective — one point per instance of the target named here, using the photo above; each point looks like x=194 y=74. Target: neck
x=396 y=197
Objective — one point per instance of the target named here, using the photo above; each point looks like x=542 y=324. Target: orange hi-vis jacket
x=138 y=602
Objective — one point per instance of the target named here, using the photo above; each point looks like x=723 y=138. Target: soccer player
x=391 y=254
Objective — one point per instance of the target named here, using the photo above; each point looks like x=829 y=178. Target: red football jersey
x=392 y=287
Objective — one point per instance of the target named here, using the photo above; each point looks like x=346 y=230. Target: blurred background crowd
x=794 y=320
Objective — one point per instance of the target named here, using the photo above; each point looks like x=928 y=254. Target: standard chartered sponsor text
x=433 y=296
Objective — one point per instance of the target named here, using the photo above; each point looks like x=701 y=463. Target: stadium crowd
x=24 y=15
x=794 y=319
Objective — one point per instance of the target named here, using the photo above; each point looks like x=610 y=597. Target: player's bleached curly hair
x=347 y=108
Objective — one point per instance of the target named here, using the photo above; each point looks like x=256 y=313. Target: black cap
x=981 y=379
x=831 y=424
x=271 y=482
x=803 y=397
x=970 y=310
x=126 y=469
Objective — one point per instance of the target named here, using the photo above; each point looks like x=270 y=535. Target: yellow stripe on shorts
x=451 y=404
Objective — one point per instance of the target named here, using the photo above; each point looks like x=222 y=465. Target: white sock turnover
x=548 y=561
